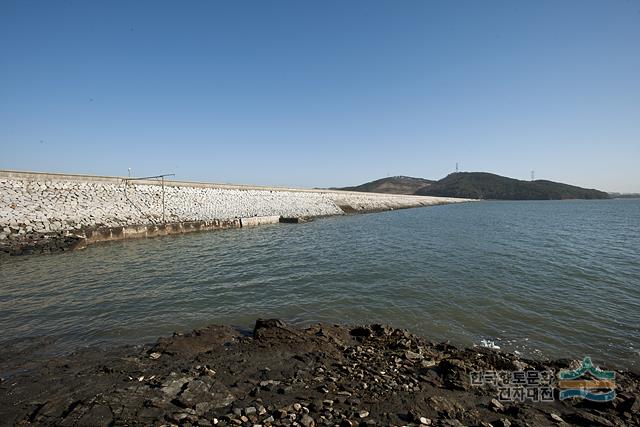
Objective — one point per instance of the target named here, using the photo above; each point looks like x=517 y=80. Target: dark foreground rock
x=324 y=375
x=40 y=243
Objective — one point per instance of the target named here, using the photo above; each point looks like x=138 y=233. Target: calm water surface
x=548 y=279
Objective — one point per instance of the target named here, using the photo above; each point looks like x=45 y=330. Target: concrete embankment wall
x=106 y=208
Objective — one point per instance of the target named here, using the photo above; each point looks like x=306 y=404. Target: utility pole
x=163 y=220
x=456 y=167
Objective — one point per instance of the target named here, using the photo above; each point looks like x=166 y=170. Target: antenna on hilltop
x=456 y=167
x=533 y=175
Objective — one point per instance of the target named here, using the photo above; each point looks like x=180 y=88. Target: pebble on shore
x=325 y=375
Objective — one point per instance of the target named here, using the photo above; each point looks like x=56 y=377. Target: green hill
x=479 y=185
x=391 y=185
x=482 y=185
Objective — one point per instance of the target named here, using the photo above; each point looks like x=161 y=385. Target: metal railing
x=161 y=177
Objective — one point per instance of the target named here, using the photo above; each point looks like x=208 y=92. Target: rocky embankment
x=325 y=375
x=49 y=213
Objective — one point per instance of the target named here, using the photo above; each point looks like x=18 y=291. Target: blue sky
x=323 y=93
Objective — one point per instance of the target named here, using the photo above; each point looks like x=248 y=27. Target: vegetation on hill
x=479 y=185
x=482 y=185
x=391 y=185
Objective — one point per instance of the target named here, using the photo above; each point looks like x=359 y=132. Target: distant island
x=479 y=185
x=624 y=195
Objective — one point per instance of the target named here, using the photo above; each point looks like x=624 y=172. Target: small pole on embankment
x=163 y=220
x=162 y=184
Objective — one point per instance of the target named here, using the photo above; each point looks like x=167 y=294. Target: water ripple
x=560 y=279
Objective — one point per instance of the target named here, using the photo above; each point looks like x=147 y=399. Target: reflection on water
x=559 y=279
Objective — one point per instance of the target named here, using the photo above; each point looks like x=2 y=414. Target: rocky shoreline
x=284 y=376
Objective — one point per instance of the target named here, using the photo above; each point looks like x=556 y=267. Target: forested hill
x=479 y=185
x=482 y=185
x=391 y=185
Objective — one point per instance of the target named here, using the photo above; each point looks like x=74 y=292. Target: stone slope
x=37 y=206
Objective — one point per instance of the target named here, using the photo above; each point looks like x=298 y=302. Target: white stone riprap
x=46 y=203
x=378 y=202
x=65 y=206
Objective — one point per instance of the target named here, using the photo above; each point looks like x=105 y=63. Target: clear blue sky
x=323 y=93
